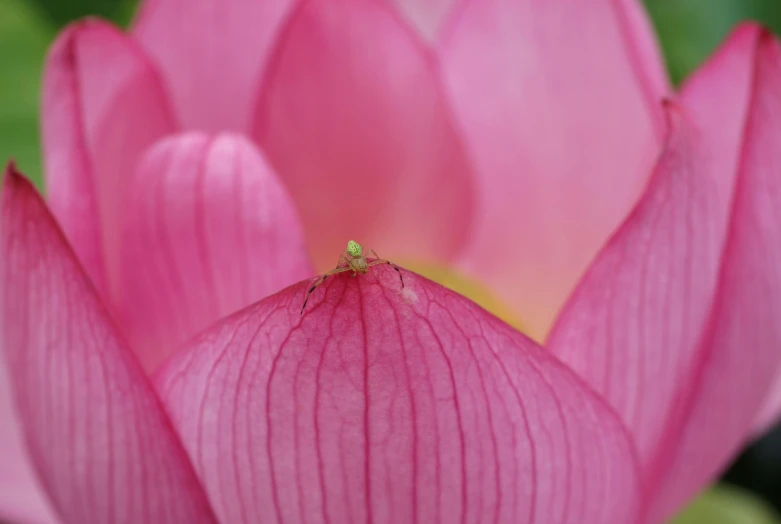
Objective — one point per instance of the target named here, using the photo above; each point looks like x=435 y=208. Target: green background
x=689 y=30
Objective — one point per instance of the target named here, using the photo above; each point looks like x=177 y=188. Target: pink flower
x=156 y=368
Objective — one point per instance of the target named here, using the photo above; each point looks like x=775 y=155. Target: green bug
x=356 y=262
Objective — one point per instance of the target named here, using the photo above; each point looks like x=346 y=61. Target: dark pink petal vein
x=98 y=438
x=387 y=405
x=22 y=498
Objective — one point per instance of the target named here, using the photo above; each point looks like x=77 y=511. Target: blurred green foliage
x=690 y=29
x=59 y=12
x=27 y=27
x=727 y=505
x=23 y=41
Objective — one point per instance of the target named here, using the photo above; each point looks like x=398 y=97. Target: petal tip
x=75 y=30
x=751 y=28
x=13 y=179
x=11 y=170
x=64 y=48
x=671 y=107
x=749 y=33
x=675 y=115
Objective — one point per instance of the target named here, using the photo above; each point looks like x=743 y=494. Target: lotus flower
x=531 y=155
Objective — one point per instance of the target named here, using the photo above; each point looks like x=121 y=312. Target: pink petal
x=102 y=105
x=643 y=302
x=391 y=404
x=426 y=16
x=212 y=54
x=22 y=498
x=353 y=119
x=640 y=326
x=702 y=91
x=100 y=442
x=740 y=357
x=209 y=230
x=561 y=110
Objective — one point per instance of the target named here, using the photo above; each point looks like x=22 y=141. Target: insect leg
x=320 y=281
x=391 y=264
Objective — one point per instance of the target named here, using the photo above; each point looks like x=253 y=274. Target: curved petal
x=641 y=319
x=102 y=106
x=367 y=152
x=643 y=302
x=22 y=498
x=212 y=54
x=563 y=126
x=390 y=404
x=426 y=16
x=209 y=229
x=708 y=87
x=96 y=433
x=740 y=355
